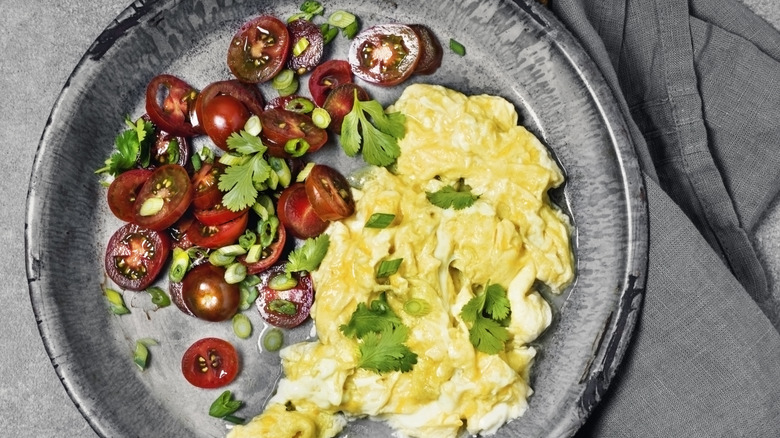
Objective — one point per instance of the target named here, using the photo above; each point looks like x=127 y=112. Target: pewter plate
x=514 y=49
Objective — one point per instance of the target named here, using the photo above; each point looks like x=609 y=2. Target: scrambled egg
x=511 y=236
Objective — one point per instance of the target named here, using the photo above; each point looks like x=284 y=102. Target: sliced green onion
x=457 y=47
x=224 y=405
x=284 y=79
x=116 y=302
x=197 y=253
x=417 y=307
x=231 y=159
x=380 y=220
x=273 y=339
x=350 y=31
x=388 y=268
x=233 y=419
x=206 y=154
x=253 y=125
x=304 y=173
x=235 y=273
x=328 y=33
x=218 y=258
x=267 y=203
x=152 y=206
x=284 y=307
x=242 y=326
x=267 y=231
x=159 y=297
x=141 y=355
x=247 y=240
x=282 y=281
x=173 y=151
x=282 y=170
x=300 y=105
x=296 y=147
x=232 y=250
x=251 y=280
x=254 y=253
x=248 y=295
x=312 y=7
x=180 y=263
x=300 y=45
x=320 y=117
x=272 y=181
x=288 y=90
x=300 y=16
x=196 y=162
x=341 y=19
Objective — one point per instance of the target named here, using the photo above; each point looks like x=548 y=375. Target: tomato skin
x=123 y=192
x=171 y=183
x=328 y=76
x=256 y=55
x=222 y=116
x=311 y=56
x=217 y=214
x=210 y=363
x=216 y=236
x=248 y=94
x=270 y=255
x=329 y=193
x=431 y=52
x=280 y=125
x=135 y=256
x=162 y=154
x=297 y=214
x=302 y=296
x=207 y=295
x=340 y=102
x=169 y=101
x=205 y=184
x=385 y=54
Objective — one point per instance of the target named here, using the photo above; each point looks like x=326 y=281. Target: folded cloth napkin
x=699 y=82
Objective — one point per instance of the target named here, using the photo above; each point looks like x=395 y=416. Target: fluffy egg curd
x=511 y=236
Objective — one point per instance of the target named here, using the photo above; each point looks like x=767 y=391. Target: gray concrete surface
x=40 y=43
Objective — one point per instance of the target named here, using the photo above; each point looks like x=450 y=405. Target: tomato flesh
x=216 y=236
x=206 y=185
x=207 y=295
x=431 y=52
x=210 y=363
x=123 y=192
x=284 y=308
x=259 y=49
x=328 y=76
x=135 y=256
x=169 y=101
x=312 y=54
x=168 y=188
x=280 y=125
x=217 y=214
x=222 y=116
x=340 y=101
x=385 y=54
x=248 y=94
x=297 y=214
x=329 y=193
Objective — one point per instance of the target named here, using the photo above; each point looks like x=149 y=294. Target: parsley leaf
x=384 y=352
x=378 y=140
x=238 y=180
x=378 y=317
x=458 y=197
x=309 y=256
x=486 y=313
x=132 y=146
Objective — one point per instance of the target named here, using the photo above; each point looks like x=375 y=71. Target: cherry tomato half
x=164 y=198
x=329 y=193
x=385 y=54
x=279 y=126
x=248 y=94
x=206 y=185
x=311 y=55
x=135 y=256
x=269 y=255
x=340 y=102
x=169 y=101
x=259 y=49
x=328 y=76
x=294 y=102
x=217 y=214
x=284 y=308
x=222 y=116
x=123 y=192
x=210 y=363
x=207 y=295
x=297 y=214
x=216 y=236
x=169 y=149
x=431 y=52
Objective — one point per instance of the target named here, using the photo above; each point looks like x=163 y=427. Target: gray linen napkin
x=700 y=81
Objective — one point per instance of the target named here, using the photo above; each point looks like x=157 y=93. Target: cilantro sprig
x=241 y=178
x=381 y=337
x=369 y=128
x=457 y=197
x=488 y=313
x=133 y=145
x=309 y=255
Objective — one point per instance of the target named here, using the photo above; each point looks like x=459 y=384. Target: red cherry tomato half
x=222 y=116
x=217 y=215
x=294 y=102
x=169 y=101
x=340 y=102
x=248 y=94
x=135 y=256
x=164 y=198
x=169 y=149
x=210 y=363
x=178 y=231
x=206 y=185
x=329 y=193
x=430 y=50
x=279 y=126
x=297 y=214
x=284 y=308
x=216 y=236
x=123 y=192
x=311 y=55
x=207 y=295
x=269 y=255
x=259 y=49
x=385 y=54
x=328 y=76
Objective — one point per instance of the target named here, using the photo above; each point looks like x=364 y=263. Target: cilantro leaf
x=239 y=180
x=452 y=197
x=246 y=143
x=373 y=318
x=486 y=312
x=378 y=140
x=132 y=145
x=384 y=352
x=309 y=256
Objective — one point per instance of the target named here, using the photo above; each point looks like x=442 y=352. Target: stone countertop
x=41 y=43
